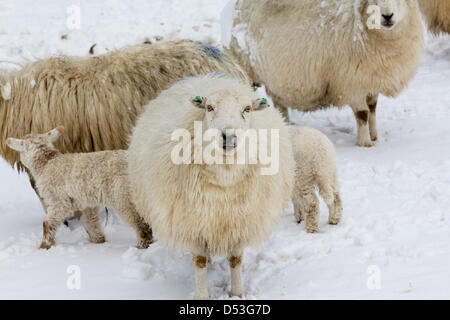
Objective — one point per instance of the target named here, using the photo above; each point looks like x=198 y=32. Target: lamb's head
x=34 y=143
x=388 y=13
x=227 y=111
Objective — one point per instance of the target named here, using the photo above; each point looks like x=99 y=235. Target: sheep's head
x=33 y=143
x=227 y=111
x=389 y=13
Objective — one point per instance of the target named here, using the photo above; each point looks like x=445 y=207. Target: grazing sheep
x=97 y=99
x=436 y=14
x=316 y=168
x=76 y=182
x=312 y=54
x=206 y=207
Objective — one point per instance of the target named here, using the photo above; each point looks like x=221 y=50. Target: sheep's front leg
x=55 y=216
x=361 y=112
x=143 y=231
x=372 y=101
x=200 y=261
x=235 y=260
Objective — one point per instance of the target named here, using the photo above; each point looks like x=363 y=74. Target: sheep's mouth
x=388 y=24
x=229 y=146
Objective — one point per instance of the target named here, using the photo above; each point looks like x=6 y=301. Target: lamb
x=315 y=157
x=209 y=208
x=437 y=15
x=97 y=99
x=76 y=182
x=312 y=54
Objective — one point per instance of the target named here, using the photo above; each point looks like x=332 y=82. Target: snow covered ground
x=394 y=240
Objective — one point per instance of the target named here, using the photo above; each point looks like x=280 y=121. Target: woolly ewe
x=68 y=182
x=210 y=209
x=312 y=54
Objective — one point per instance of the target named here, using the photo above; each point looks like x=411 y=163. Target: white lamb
x=78 y=181
x=312 y=54
x=316 y=168
x=210 y=209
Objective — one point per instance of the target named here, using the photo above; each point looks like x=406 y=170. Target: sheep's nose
x=388 y=17
x=229 y=140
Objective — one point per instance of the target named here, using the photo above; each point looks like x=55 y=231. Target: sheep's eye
x=247 y=109
x=209 y=108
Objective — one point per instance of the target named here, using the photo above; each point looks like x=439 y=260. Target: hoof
x=366 y=144
x=201 y=298
x=100 y=239
x=45 y=245
x=312 y=230
x=144 y=244
x=333 y=221
x=237 y=295
x=375 y=138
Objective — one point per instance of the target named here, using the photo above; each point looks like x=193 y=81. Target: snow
x=393 y=242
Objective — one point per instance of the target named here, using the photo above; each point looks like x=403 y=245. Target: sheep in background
x=78 y=181
x=436 y=14
x=312 y=54
x=97 y=99
x=315 y=157
x=209 y=209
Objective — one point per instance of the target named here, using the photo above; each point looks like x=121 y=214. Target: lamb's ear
x=260 y=104
x=199 y=102
x=17 y=144
x=55 y=133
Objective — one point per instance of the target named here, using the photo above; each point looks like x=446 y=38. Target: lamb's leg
x=77 y=214
x=235 y=260
x=372 y=102
x=333 y=200
x=361 y=112
x=143 y=231
x=298 y=211
x=200 y=261
x=335 y=209
x=310 y=208
x=91 y=223
x=55 y=216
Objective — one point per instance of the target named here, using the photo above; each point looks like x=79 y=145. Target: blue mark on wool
x=211 y=51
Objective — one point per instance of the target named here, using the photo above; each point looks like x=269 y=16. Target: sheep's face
x=34 y=143
x=227 y=111
x=391 y=12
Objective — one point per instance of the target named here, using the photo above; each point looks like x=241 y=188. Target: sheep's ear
x=17 y=144
x=199 y=102
x=260 y=104
x=55 y=133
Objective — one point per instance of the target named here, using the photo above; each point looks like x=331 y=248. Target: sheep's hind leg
x=91 y=224
x=200 y=261
x=235 y=260
x=335 y=209
x=310 y=208
x=361 y=112
x=333 y=201
x=54 y=217
x=298 y=212
x=372 y=102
